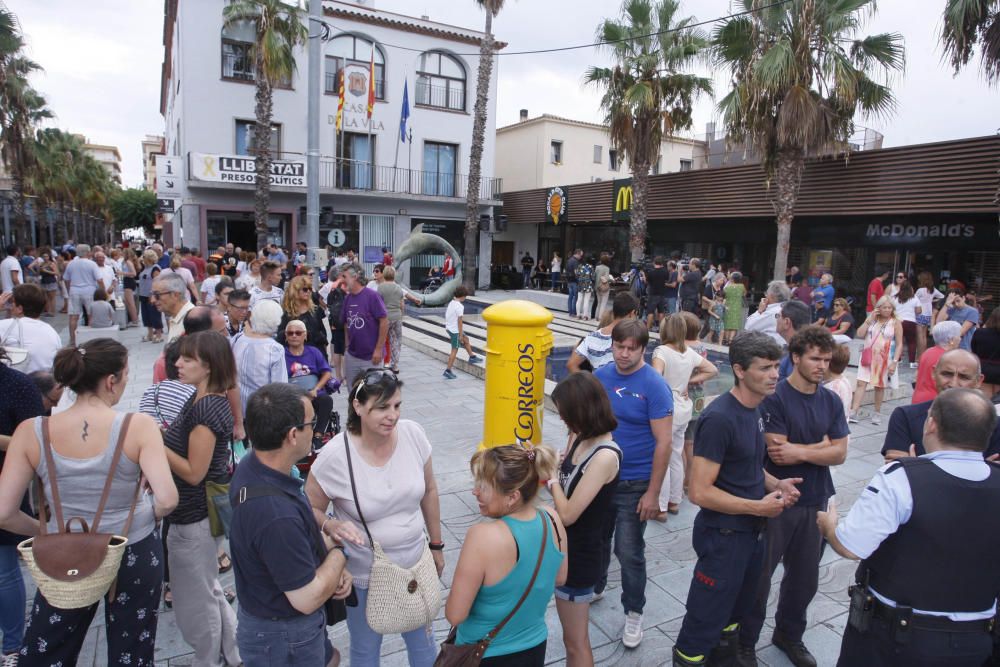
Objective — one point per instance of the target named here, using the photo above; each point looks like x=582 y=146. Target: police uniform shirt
x=886 y=504
x=906 y=427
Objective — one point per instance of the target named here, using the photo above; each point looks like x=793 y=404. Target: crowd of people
x=242 y=397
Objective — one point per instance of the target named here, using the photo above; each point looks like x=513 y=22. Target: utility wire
x=329 y=26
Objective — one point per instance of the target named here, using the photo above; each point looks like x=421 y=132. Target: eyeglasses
x=900 y=277
x=305 y=289
x=158 y=295
x=373 y=376
x=235 y=307
x=310 y=424
x=296 y=332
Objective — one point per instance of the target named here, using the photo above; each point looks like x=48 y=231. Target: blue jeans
x=555 y=280
x=572 y=287
x=12 y=599
x=366 y=644
x=630 y=545
x=671 y=305
x=293 y=641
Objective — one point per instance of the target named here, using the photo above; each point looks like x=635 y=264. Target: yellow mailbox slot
x=517 y=341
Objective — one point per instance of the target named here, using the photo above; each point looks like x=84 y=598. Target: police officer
x=736 y=495
x=927 y=530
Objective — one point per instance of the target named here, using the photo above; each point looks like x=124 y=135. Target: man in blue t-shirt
x=806 y=433
x=286 y=569
x=644 y=407
x=736 y=494
x=957 y=309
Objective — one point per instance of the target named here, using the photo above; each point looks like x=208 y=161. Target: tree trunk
x=262 y=152
x=637 y=214
x=788 y=177
x=476 y=157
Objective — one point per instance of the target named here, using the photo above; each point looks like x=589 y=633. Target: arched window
x=440 y=81
x=352 y=49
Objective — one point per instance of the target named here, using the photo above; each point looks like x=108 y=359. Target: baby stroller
x=304 y=464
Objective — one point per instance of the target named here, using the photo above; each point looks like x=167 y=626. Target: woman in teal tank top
x=499 y=557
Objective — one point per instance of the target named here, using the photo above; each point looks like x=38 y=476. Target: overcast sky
x=102 y=66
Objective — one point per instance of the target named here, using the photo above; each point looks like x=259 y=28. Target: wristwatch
x=435 y=546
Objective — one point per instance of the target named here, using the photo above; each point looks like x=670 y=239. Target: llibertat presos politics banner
x=241 y=169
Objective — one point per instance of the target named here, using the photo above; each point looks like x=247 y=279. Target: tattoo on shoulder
x=85 y=427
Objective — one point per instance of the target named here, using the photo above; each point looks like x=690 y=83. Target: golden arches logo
x=623 y=201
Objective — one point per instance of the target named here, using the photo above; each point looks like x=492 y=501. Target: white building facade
x=374 y=186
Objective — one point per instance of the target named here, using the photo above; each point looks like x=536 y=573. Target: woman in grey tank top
x=83 y=440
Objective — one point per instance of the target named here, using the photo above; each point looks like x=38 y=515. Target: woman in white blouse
x=394 y=480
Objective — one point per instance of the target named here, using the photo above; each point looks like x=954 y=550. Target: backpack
x=335 y=304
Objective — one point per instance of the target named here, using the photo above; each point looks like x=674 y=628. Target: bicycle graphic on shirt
x=355 y=321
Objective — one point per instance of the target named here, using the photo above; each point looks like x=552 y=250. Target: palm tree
x=21 y=109
x=647 y=95
x=278 y=29
x=799 y=76
x=486 y=47
x=968 y=23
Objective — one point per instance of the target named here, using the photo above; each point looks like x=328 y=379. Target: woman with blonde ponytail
x=499 y=558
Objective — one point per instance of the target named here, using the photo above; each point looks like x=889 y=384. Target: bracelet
x=435 y=546
x=322 y=528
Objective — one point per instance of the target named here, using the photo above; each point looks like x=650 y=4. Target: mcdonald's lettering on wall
x=621 y=199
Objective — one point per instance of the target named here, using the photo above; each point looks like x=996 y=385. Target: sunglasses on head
x=373 y=376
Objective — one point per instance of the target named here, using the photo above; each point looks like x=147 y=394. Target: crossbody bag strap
x=156 y=405
x=56 y=504
x=354 y=489
x=527 y=591
x=115 y=458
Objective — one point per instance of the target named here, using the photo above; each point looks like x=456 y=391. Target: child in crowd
x=102 y=314
x=835 y=380
x=454 y=326
x=717 y=317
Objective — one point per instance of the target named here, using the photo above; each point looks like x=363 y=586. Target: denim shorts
x=924 y=320
x=582 y=594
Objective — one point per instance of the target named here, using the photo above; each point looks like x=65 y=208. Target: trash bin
x=517 y=342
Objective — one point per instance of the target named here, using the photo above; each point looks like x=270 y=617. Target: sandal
x=230 y=595
x=168 y=597
x=225 y=563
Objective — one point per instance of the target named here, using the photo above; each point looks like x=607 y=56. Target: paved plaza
x=452 y=414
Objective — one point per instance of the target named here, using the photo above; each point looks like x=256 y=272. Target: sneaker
x=681 y=660
x=876 y=419
x=853 y=418
x=474 y=359
x=9 y=660
x=796 y=651
x=448 y=375
x=914 y=364
x=746 y=656
x=632 y=635
x=597 y=596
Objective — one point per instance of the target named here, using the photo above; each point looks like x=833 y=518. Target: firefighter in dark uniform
x=736 y=495
x=927 y=530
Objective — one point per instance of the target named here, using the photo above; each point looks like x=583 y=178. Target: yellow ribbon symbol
x=209 y=164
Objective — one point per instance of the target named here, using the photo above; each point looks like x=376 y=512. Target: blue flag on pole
x=404 y=114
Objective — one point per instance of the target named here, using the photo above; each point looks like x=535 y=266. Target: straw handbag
x=399 y=599
x=74 y=570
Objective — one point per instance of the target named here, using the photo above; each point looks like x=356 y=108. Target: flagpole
x=371 y=118
x=338 y=178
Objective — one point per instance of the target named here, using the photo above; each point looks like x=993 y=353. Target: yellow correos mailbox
x=517 y=342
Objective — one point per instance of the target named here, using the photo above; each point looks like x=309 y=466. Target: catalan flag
x=371 y=84
x=340 y=101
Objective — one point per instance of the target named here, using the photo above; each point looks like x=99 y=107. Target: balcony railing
x=345 y=174
x=441 y=97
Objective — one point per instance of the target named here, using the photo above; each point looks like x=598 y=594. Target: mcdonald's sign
x=621 y=199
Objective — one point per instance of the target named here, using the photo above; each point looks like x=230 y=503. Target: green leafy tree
x=487 y=48
x=972 y=24
x=278 y=29
x=800 y=74
x=133 y=207
x=647 y=93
